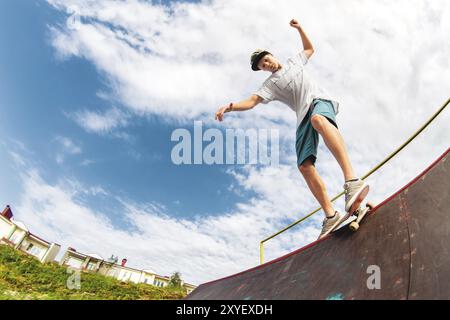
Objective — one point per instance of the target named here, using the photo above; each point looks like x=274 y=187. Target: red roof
x=7 y=213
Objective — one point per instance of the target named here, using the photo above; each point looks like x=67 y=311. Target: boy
x=316 y=114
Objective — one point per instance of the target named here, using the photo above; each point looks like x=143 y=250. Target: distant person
x=316 y=114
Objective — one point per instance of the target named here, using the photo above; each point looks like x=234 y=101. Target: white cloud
x=100 y=123
x=66 y=147
x=387 y=62
x=87 y=162
x=17 y=159
x=184 y=59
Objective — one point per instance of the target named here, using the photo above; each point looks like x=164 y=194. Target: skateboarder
x=316 y=115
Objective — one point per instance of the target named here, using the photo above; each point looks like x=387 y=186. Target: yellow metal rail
x=393 y=154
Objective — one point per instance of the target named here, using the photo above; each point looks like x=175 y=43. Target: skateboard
x=360 y=213
x=355 y=210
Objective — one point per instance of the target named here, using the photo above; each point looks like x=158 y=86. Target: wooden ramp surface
x=407 y=236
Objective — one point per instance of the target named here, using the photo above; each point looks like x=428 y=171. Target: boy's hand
x=221 y=111
x=294 y=24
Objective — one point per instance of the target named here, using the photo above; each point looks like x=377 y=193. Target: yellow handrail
x=393 y=154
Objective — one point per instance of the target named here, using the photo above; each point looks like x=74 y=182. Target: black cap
x=256 y=57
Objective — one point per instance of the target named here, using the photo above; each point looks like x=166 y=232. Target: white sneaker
x=329 y=224
x=355 y=193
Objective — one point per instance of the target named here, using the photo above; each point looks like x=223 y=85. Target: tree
x=113 y=259
x=175 y=280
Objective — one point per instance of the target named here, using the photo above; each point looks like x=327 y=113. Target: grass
x=22 y=277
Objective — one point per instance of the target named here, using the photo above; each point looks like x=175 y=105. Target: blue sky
x=91 y=91
x=39 y=91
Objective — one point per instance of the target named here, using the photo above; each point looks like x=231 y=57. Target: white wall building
x=95 y=263
x=81 y=261
x=16 y=234
x=124 y=273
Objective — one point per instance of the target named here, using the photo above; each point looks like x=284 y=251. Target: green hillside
x=23 y=277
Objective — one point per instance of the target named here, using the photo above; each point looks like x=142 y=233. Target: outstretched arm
x=243 y=105
x=307 y=46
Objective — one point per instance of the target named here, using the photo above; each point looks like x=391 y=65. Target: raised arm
x=307 y=46
x=243 y=105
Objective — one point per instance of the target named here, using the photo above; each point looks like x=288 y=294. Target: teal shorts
x=307 y=138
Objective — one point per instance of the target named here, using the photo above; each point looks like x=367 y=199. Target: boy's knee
x=306 y=167
x=318 y=121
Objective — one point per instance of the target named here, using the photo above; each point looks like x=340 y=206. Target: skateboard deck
x=354 y=209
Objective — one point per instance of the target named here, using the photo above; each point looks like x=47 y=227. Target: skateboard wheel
x=370 y=205
x=357 y=212
x=354 y=226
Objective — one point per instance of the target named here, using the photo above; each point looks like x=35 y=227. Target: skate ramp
x=407 y=237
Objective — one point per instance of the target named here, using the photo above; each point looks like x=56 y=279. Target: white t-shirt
x=293 y=86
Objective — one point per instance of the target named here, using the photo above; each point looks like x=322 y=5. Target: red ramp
x=407 y=237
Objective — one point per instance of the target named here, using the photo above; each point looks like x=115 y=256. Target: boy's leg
x=306 y=143
x=317 y=186
x=333 y=218
x=355 y=189
x=335 y=143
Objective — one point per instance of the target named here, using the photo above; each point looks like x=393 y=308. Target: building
x=161 y=281
x=189 y=287
x=95 y=263
x=124 y=273
x=81 y=261
x=17 y=235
